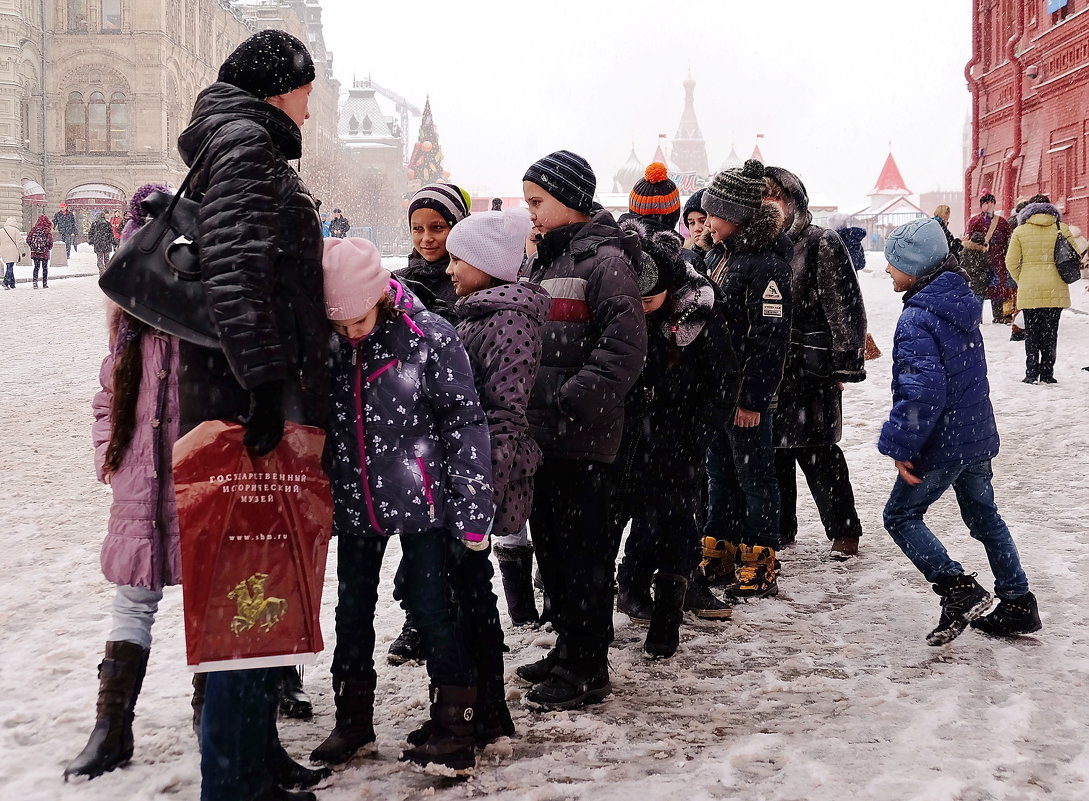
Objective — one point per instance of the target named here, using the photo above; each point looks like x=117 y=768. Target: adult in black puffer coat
x=826 y=351
x=260 y=258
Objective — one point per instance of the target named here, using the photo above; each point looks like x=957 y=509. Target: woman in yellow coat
x=1041 y=293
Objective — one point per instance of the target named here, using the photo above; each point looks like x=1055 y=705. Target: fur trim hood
x=760 y=234
x=1038 y=208
x=802 y=217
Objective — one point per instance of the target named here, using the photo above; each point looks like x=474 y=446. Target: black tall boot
x=120 y=674
x=294 y=702
x=354 y=729
x=451 y=746
x=663 y=635
x=516 y=568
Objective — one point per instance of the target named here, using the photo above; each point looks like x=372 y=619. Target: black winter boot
x=704 y=604
x=1010 y=618
x=451 y=746
x=516 y=568
x=491 y=721
x=294 y=702
x=120 y=674
x=635 y=602
x=408 y=647
x=664 y=634
x=536 y=672
x=963 y=600
x=568 y=687
x=290 y=775
x=354 y=729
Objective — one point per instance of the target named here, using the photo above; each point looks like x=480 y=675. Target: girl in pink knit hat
x=410 y=457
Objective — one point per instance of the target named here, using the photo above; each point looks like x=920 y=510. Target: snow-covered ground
x=827 y=692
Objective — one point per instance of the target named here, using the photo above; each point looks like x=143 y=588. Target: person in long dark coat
x=260 y=258
x=828 y=339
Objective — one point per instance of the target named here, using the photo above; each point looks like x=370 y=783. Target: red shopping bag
x=254 y=539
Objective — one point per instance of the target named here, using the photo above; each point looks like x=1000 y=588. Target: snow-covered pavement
x=827 y=692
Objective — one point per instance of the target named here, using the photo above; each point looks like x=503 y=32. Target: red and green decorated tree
x=425 y=164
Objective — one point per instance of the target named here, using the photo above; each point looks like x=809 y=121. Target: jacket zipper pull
x=355 y=356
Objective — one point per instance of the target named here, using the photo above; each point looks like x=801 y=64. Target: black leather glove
x=265 y=421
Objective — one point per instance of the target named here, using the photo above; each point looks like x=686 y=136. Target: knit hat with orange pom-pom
x=656 y=197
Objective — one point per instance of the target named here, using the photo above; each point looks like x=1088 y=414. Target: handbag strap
x=197 y=159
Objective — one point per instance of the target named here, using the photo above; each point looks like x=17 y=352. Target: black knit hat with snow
x=267 y=64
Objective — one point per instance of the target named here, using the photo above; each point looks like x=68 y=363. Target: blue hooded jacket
x=941 y=406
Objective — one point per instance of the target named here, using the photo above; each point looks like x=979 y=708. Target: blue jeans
x=742 y=489
x=975 y=496
x=238 y=733
x=9 y=275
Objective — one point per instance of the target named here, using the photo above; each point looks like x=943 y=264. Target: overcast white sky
x=829 y=83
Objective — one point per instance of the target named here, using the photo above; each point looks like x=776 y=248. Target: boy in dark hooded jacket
x=751 y=262
x=941 y=433
x=594 y=345
x=686 y=394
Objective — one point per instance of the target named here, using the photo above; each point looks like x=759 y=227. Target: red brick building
x=1029 y=79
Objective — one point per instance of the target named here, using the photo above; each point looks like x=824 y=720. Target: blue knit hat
x=918 y=247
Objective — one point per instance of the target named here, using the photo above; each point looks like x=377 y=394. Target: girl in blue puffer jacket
x=409 y=455
x=941 y=433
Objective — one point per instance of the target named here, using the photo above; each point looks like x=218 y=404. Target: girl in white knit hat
x=499 y=321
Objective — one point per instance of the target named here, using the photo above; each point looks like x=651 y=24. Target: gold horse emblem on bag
x=254 y=609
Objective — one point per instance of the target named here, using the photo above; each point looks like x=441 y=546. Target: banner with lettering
x=254 y=540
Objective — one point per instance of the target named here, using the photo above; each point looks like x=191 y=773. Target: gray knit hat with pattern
x=735 y=194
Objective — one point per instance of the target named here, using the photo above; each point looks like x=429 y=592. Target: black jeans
x=829 y=480
x=429 y=560
x=663 y=537
x=577 y=544
x=44 y=265
x=1041 y=338
x=742 y=492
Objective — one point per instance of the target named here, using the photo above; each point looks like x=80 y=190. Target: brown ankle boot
x=451 y=746
x=354 y=729
x=120 y=675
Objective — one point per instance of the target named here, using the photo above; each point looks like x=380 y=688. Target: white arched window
x=97 y=127
x=119 y=123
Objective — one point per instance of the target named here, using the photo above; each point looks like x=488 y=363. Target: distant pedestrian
x=996 y=238
x=339 y=225
x=100 y=237
x=40 y=241
x=941 y=433
x=12 y=249
x=1041 y=292
x=65 y=223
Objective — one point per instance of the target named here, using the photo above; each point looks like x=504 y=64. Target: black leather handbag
x=1067 y=261
x=155 y=274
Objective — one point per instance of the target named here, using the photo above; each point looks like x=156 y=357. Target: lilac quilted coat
x=501 y=330
x=141 y=546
